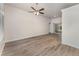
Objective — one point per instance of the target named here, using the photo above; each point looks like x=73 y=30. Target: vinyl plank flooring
x=45 y=45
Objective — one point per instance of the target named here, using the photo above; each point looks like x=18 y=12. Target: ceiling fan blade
x=33 y=8
x=41 y=12
x=41 y=9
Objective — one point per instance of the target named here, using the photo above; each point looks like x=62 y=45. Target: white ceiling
x=51 y=9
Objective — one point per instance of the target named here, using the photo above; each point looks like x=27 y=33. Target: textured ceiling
x=51 y=9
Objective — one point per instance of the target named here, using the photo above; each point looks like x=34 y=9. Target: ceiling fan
x=36 y=11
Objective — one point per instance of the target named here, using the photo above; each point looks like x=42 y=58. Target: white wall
x=2 y=41
x=70 y=23
x=19 y=24
x=1 y=34
x=54 y=21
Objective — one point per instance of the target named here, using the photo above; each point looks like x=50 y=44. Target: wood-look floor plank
x=46 y=45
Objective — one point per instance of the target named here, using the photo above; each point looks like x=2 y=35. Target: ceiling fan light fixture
x=36 y=13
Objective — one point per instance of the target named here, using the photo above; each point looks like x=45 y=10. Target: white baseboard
x=23 y=38
x=70 y=45
x=2 y=44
